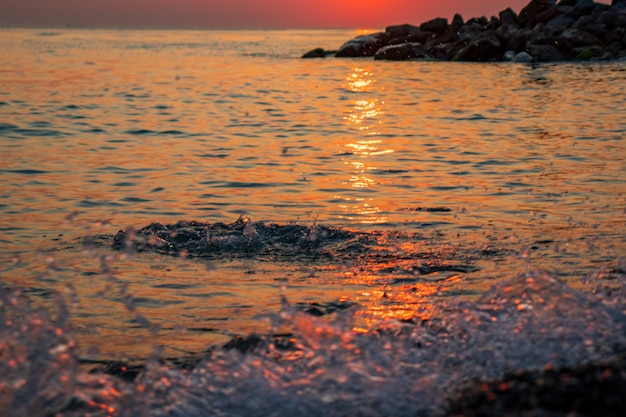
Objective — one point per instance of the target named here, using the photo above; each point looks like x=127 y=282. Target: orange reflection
x=361 y=209
x=406 y=303
x=360 y=80
x=365 y=117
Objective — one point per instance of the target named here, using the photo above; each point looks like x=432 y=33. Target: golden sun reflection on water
x=365 y=117
x=360 y=80
x=405 y=303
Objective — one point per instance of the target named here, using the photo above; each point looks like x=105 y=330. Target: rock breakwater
x=543 y=31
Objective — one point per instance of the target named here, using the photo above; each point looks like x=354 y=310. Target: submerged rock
x=315 y=244
x=318 y=53
x=571 y=24
x=593 y=389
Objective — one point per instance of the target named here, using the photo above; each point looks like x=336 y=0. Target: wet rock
x=618 y=4
x=438 y=25
x=323 y=309
x=613 y=20
x=318 y=53
x=574 y=24
x=517 y=43
x=580 y=38
x=508 y=17
x=545 y=53
x=240 y=239
x=594 y=389
x=397 y=31
x=528 y=15
x=587 y=53
x=522 y=57
x=582 y=8
x=558 y=24
x=486 y=47
x=361 y=46
x=457 y=22
x=401 y=52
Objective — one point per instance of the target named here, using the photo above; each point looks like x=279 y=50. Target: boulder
x=364 y=45
x=446 y=37
x=406 y=33
x=582 y=8
x=401 y=52
x=494 y=23
x=580 y=38
x=438 y=25
x=545 y=53
x=517 y=43
x=522 y=57
x=612 y=19
x=559 y=23
x=618 y=5
x=318 y=53
x=486 y=47
x=457 y=22
x=588 y=52
x=508 y=17
x=397 y=31
x=544 y=29
x=535 y=7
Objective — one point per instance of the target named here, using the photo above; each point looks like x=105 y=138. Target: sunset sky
x=243 y=13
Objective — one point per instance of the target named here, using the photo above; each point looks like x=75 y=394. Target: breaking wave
x=311 y=365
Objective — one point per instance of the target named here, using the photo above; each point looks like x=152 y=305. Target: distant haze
x=242 y=13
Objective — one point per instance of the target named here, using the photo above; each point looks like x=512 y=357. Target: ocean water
x=456 y=220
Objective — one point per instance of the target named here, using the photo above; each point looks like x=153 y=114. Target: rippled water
x=443 y=179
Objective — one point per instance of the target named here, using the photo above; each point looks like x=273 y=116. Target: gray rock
x=580 y=38
x=535 y=7
x=438 y=25
x=618 y=5
x=401 y=52
x=544 y=29
x=582 y=8
x=402 y=30
x=517 y=43
x=457 y=22
x=485 y=47
x=508 y=17
x=587 y=52
x=522 y=57
x=318 y=53
x=446 y=37
x=612 y=19
x=558 y=24
x=545 y=53
x=364 y=45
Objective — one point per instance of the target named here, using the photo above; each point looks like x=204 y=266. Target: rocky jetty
x=544 y=30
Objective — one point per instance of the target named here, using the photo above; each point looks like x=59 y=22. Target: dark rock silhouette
x=544 y=30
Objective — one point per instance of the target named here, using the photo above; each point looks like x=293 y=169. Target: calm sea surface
x=488 y=169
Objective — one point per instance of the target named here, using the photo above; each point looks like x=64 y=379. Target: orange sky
x=243 y=13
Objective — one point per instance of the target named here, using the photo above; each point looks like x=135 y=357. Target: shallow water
x=446 y=178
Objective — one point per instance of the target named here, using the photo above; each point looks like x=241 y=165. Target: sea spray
x=38 y=356
x=322 y=366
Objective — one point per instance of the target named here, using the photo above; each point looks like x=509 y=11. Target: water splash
x=38 y=363
x=321 y=366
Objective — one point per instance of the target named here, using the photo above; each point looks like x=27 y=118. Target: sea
x=337 y=237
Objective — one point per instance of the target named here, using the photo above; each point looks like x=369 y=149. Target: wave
x=520 y=331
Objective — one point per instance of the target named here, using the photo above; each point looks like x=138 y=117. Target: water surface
x=449 y=177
